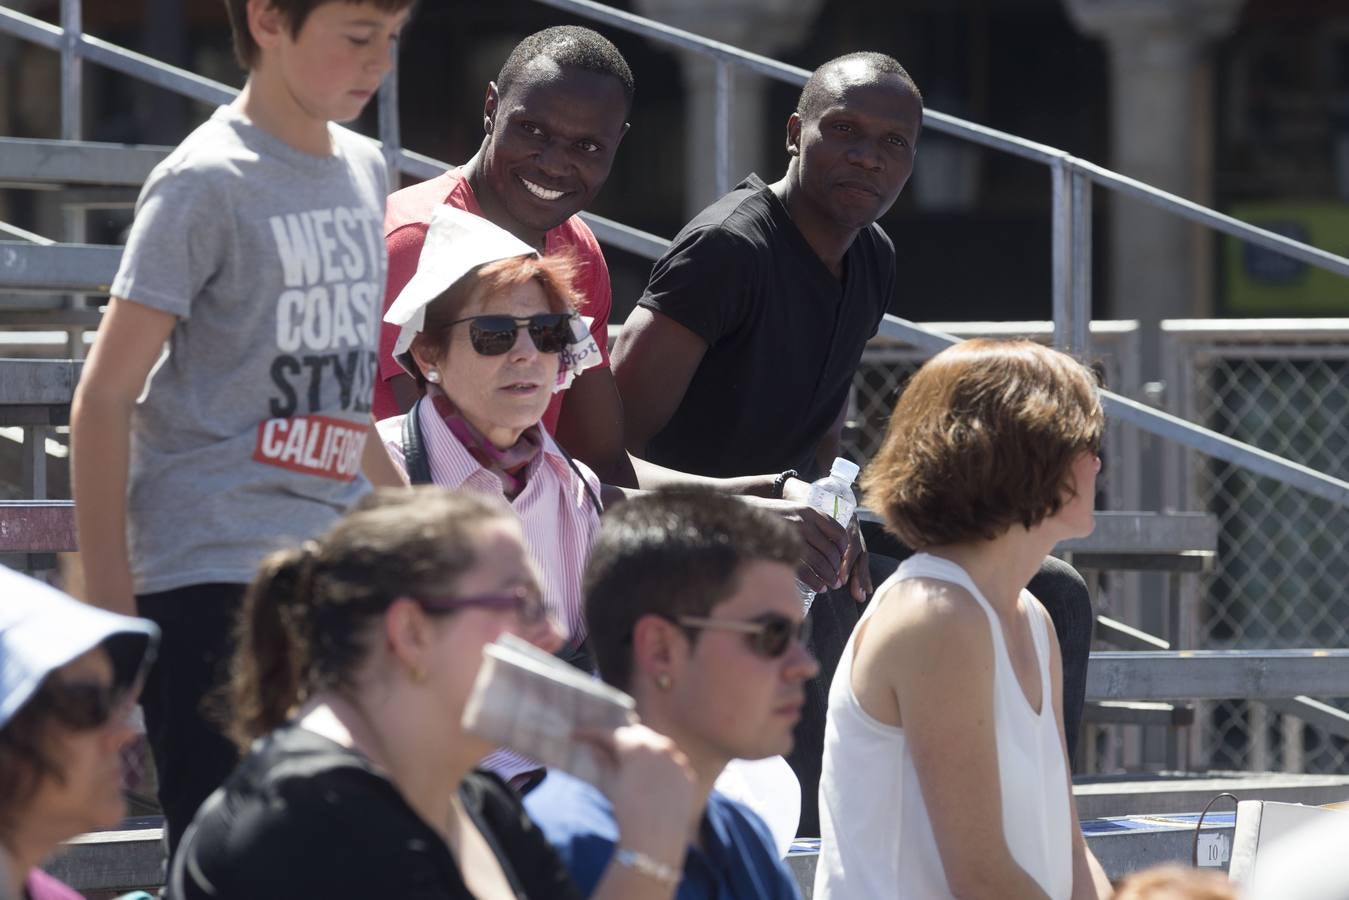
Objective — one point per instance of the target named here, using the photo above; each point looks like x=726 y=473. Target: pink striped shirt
x=558 y=520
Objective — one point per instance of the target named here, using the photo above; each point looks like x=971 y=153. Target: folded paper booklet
x=532 y=702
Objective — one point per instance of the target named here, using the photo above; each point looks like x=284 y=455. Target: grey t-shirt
x=249 y=434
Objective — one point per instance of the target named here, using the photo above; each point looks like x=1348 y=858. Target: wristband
x=645 y=865
x=781 y=482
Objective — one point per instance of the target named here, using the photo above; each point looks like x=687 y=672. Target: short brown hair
x=296 y=13
x=556 y=275
x=1176 y=883
x=983 y=438
x=672 y=552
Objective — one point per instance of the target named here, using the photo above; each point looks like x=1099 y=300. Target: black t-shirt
x=305 y=817
x=783 y=335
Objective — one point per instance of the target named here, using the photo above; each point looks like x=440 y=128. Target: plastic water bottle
x=833 y=496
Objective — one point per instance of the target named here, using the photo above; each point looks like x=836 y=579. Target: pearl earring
x=433 y=376
x=663 y=681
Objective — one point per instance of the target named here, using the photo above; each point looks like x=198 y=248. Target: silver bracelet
x=645 y=865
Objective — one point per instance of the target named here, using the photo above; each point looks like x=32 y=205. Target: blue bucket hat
x=42 y=629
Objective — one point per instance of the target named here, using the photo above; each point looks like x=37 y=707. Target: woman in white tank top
x=944 y=759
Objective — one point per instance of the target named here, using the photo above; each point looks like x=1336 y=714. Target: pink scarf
x=510 y=465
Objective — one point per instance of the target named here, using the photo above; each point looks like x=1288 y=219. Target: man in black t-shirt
x=741 y=351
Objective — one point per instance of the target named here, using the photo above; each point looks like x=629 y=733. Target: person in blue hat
x=69 y=678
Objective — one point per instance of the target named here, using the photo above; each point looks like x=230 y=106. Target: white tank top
x=876 y=837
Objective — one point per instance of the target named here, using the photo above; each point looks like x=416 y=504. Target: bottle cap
x=845 y=469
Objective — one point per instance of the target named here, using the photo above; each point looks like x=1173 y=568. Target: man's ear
x=489 y=108
x=658 y=648
x=794 y=135
x=266 y=23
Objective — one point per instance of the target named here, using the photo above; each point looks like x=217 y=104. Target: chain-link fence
x=1283 y=555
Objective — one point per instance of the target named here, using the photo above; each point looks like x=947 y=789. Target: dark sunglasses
x=527 y=604
x=86 y=705
x=768 y=635
x=495 y=335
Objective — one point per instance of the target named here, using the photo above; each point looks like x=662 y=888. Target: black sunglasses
x=86 y=705
x=494 y=335
x=768 y=635
x=527 y=604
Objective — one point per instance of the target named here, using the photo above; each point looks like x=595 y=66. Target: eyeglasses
x=495 y=335
x=768 y=635
x=85 y=705
x=527 y=604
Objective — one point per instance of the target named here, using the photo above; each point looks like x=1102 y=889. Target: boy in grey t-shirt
x=256 y=255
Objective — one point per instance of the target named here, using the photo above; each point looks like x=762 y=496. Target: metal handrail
x=1071 y=176
x=206 y=90
x=1071 y=183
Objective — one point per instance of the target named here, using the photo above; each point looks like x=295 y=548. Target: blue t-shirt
x=737 y=861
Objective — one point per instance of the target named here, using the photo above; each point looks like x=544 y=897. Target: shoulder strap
x=415 y=460
x=594 y=501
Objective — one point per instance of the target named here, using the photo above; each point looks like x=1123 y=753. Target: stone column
x=1161 y=133
x=759 y=26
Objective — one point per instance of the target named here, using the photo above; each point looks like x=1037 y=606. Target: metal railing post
x=1061 y=252
x=722 y=140
x=1070 y=211
x=71 y=71
x=1081 y=262
x=389 y=128
x=72 y=129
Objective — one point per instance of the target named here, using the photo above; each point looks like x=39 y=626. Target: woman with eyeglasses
x=945 y=766
x=357 y=655
x=69 y=678
x=489 y=333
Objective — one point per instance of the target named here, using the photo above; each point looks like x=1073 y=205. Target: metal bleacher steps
x=41 y=280
x=52 y=164
x=133 y=857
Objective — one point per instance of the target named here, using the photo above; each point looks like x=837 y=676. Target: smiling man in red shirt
x=553 y=120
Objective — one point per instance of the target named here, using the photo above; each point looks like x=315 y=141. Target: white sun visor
x=456 y=243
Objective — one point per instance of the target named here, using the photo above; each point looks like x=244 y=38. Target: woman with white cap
x=489 y=332
x=69 y=677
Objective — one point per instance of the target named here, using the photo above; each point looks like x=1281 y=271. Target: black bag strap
x=415 y=460
x=418 y=466
x=594 y=501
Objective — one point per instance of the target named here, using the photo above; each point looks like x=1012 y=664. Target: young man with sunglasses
x=693 y=609
x=553 y=120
